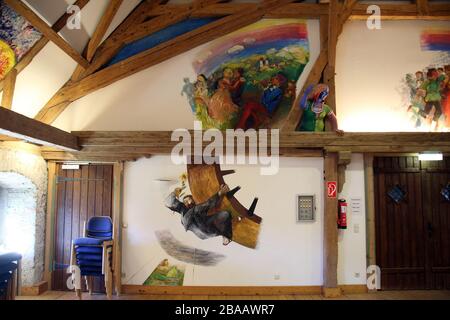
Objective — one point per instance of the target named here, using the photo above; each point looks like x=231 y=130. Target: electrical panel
x=306 y=208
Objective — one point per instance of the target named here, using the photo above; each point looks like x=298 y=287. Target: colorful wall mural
x=166 y=274
x=17 y=37
x=248 y=78
x=428 y=89
x=188 y=254
x=210 y=209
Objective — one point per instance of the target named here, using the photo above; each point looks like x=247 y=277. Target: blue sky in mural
x=159 y=37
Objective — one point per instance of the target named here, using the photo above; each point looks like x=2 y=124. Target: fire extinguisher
x=342 y=214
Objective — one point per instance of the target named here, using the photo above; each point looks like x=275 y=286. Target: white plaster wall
x=151 y=99
x=34 y=168
x=291 y=250
x=2 y=215
x=370 y=65
x=352 y=241
x=286 y=248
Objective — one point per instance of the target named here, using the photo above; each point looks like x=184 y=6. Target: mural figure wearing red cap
x=315 y=111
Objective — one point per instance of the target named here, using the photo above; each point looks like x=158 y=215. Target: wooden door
x=412 y=244
x=80 y=194
x=436 y=176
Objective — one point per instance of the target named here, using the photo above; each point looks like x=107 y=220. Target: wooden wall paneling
x=82 y=194
x=67 y=228
x=57 y=279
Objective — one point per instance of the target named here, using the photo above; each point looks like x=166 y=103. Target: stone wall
x=33 y=168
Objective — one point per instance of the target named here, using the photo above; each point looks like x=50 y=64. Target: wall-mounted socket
x=357 y=275
x=356 y=228
x=276 y=277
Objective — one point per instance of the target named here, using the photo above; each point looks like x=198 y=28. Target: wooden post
x=329 y=73
x=51 y=194
x=370 y=209
x=330 y=231
x=8 y=89
x=344 y=159
x=117 y=223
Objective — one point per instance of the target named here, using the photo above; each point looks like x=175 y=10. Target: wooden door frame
x=370 y=210
x=116 y=215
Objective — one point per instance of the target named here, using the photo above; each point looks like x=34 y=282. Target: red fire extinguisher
x=342 y=214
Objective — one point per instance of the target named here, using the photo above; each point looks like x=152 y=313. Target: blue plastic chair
x=10 y=265
x=93 y=253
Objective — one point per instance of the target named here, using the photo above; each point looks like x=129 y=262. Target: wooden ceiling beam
x=73 y=91
x=436 y=11
x=8 y=89
x=287 y=139
x=102 y=27
x=422 y=7
x=18 y=126
x=138 y=28
x=97 y=36
x=111 y=46
x=40 y=44
x=294 y=116
x=46 y=30
x=119 y=145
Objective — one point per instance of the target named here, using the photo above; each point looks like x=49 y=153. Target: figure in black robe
x=194 y=217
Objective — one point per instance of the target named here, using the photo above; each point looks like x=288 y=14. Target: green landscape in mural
x=166 y=274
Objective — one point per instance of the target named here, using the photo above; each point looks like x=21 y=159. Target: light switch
x=356 y=228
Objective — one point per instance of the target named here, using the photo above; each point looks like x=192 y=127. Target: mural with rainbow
x=247 y=79
x=428 y=89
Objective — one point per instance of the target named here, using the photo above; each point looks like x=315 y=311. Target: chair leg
x=73 y=262
x=19 y=277
x=78 y=292
x=13 y=285
x=89 y=284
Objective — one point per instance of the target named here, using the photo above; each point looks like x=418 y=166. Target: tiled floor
x=381 y=295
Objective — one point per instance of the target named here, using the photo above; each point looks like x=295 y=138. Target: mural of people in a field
x=247 y=79
x=429 y=88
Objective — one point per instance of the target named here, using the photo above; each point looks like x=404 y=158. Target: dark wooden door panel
x=437 y=217
x=81 y=194
x=412 y=236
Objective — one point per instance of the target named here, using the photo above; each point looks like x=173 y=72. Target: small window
x=397 y=194
x=445 y=192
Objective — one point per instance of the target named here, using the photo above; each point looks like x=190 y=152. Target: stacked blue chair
x=93 y=253
x=9 y=275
